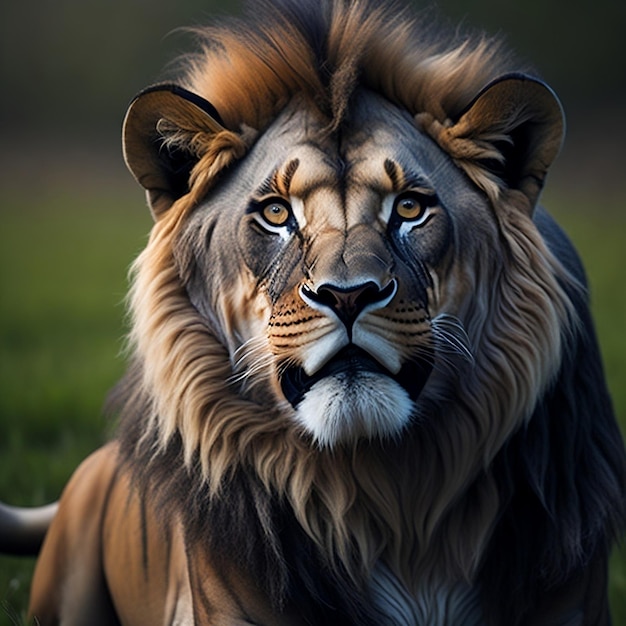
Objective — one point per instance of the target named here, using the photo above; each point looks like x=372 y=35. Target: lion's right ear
x=167 y=131
x=508 y=136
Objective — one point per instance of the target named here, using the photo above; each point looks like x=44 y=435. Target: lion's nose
x=349 y=302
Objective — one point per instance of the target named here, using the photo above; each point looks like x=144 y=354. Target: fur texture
x=475 y=499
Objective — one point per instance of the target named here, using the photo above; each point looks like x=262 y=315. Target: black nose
x=349 y=302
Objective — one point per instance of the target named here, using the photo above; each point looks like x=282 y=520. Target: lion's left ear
x=509 y=135
x=167 y=131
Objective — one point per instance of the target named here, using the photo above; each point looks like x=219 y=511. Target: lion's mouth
x=349 y=362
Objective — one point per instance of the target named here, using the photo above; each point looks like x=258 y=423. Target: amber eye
x=276 y=213
x=410 y=206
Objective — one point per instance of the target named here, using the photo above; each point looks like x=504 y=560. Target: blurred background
x=69 y=67
x=72 y=219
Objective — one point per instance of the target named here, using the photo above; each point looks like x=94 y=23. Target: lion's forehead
x=340 y=188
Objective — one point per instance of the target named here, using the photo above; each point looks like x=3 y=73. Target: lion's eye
x=409 y=206
x=276 y=213
x=413 y=206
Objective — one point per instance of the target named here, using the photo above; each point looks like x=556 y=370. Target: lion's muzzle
x=347 y=303
x=357 y=381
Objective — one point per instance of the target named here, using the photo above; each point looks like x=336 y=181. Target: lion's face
x=335 y=254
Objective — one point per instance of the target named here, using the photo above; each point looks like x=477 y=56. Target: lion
x=364 y=384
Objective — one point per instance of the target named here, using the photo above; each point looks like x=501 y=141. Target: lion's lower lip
x=295 y=382
x=350 y=361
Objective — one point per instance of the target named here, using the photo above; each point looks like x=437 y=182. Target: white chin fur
x=342 y=408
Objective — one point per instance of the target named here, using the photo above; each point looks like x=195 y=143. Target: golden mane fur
x=249 y=73
x=185 y=374
x=356 y=500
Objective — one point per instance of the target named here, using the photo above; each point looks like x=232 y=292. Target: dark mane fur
x=244 y=525
x=562 y=476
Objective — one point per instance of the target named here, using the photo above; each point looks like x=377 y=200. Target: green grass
x=63 y=263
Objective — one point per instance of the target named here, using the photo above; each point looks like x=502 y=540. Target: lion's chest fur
x=433 y=605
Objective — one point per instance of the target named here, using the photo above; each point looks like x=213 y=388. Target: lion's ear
x=166 y=131
x=509 y=135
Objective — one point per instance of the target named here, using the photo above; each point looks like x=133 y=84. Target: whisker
x=451 y=339
x=285 y=365
x=250 y=372
x=249 y=347
x=251 y=363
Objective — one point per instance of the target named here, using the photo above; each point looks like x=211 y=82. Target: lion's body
x=365 y=385
x=106 y=550
x=109 y=559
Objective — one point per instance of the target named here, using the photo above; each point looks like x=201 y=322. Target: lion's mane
x=526 y=439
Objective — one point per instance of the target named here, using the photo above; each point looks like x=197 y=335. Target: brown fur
x=202 y=416
x=108 y=547
x=185 y=367
x=249 y=74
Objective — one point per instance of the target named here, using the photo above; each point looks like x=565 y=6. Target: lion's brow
x=279 y=182
x=393 y=171
x=288 y=174
x=403 y=177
